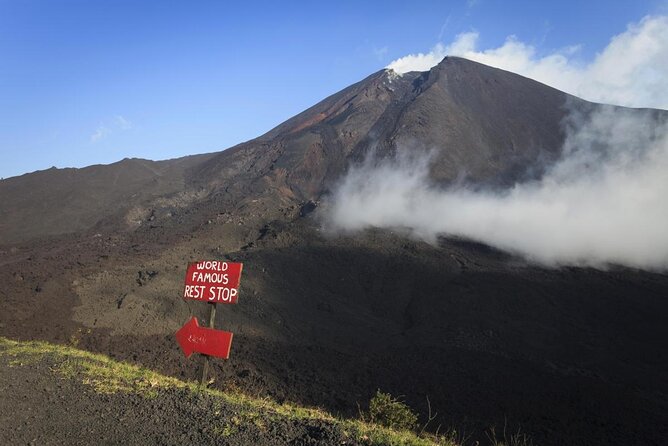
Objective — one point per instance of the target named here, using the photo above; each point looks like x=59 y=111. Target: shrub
x=389 y=411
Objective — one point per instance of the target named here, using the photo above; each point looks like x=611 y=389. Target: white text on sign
x=215 y=294
x=213 y=281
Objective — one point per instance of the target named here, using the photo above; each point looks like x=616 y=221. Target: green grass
x=106 y=375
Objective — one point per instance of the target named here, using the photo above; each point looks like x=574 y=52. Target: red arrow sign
x=193 y=338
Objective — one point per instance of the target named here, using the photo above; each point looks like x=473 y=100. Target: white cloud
x=602 y=203
x=104 y=130
x=632 y=70
x=594 y=207
x=123 y=123
x=100 y=133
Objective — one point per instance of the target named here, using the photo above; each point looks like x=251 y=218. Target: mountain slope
x=61 y=201
x=487 y=123
x=572 y=355
x=99 y=395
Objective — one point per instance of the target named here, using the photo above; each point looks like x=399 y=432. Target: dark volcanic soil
x=41 y=407
x=572 y=356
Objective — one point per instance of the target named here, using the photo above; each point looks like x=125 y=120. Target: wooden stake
x=212 y=323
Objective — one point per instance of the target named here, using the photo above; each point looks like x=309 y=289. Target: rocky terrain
x=96 y=258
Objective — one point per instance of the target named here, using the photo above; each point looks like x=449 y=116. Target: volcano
x=96 y=257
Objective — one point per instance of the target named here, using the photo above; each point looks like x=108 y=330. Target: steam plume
x=632 y=70
x=605 y=202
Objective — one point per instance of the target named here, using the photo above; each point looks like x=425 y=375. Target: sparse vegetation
x=391 y=420
x=75 y=337
x=391 y=412
x=518 y=438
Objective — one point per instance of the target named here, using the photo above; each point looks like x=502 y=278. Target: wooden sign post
x=212 y=323
x=213 y=282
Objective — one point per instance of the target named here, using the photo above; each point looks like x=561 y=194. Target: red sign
x=193 y=338
x=213 y=281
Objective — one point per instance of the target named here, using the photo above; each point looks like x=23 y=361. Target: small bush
x=389 y=411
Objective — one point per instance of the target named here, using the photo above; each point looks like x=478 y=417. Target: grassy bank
x=106 y=375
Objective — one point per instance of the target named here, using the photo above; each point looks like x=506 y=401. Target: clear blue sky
x=87 y=82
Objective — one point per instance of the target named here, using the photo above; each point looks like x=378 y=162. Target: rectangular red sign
x=213 y=281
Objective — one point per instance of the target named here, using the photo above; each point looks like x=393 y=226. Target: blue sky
x=88 y=82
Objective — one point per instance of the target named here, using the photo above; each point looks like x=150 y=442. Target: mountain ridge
x=486 y=125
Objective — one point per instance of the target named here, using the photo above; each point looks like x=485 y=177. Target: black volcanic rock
x=571 y=355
